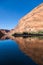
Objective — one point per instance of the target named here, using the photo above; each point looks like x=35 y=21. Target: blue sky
x=12 y=10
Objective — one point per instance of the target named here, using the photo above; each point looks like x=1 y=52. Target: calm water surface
x=11 y=54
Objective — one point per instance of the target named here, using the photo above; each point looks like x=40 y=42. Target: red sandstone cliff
x=33 y=21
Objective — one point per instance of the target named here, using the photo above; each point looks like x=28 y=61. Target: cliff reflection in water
x=33 y=47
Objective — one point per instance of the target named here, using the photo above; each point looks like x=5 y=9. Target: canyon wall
x=33 y=21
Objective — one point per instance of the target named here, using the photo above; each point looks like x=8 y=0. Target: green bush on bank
x=32 y=32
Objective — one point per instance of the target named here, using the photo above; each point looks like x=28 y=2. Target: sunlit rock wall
x=33 y=21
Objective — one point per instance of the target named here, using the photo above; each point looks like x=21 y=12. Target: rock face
x=33 y=21
x=3 y=32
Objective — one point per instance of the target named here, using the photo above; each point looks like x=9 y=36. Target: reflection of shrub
x=40 y=37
